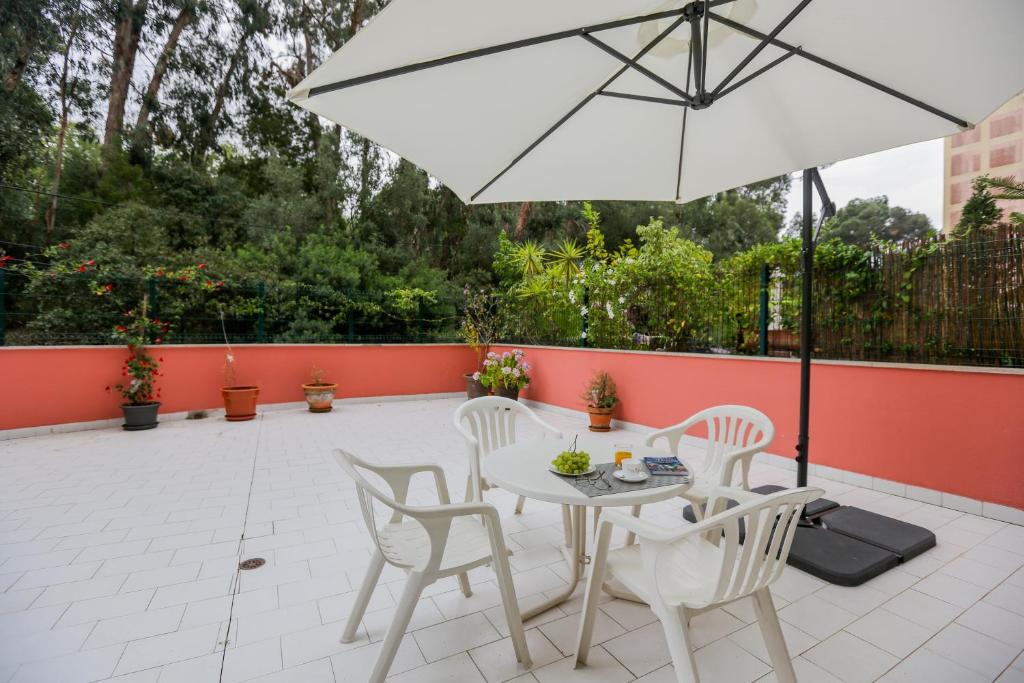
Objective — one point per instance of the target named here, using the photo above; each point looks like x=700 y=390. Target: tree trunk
x=21 y=57
x=65 y=110
x=127 y=32
x=208 y=133
x=160 y=70
x=524 y=216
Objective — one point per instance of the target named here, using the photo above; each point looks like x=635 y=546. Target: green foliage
x=864 y=221
x=601 y=391
x=980 y=210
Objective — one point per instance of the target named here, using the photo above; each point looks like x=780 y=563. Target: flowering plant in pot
x=239 y=400
x=479 y=327
x=506 y=374
x=601 y=397
x=319 y=394
x=140 y=369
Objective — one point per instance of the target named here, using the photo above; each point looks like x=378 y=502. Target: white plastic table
x=522 y=468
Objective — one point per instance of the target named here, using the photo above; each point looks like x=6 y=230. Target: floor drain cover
x=252 y=563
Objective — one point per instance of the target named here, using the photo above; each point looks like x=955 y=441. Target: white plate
x=621 y=476
x=566 y=474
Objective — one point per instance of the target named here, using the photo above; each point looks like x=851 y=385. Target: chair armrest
x=674 y=433
x=644 y=530
x=549 y=429
x=403 y=473
x=453 y=510
x=466 y=435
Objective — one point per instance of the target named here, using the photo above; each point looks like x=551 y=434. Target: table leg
x=575 y=556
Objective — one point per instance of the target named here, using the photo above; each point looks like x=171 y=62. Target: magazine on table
x=666 y=466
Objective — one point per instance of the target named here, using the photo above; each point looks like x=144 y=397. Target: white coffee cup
x=633 y=468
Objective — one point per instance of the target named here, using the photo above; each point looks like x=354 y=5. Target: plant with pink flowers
x=508 y=369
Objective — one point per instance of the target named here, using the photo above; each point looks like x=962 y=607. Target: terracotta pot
x=474 y=388
x=500 y=390
x=239 y=403
x=137 y=418
x=320 y=397
x=600 y=419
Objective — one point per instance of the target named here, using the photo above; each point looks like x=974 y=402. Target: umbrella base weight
x=848 y=546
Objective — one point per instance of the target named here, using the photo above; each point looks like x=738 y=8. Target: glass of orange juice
x=623 y=451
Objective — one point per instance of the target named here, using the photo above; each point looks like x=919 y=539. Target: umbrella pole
x=806 y=328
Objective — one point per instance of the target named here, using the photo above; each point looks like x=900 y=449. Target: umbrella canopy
x=661 y=100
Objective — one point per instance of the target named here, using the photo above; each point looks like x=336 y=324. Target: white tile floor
x=118 y=556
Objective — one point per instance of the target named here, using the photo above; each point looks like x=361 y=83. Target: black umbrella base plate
x=848 y=546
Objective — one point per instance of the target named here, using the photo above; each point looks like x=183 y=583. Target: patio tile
x=53 y=576
x=563 y=632
x=816 y=617
x=850 y=658
x=751 y=640
x=601 y=667
x=995 y=622
x=319 y=671
x=978 y=573
x=377 y=622
x=950 y=589
x=191 y=591
x=805 y=671
x=168 y=648
x=1008 y=596
x=890 y=632
x=78 y=667
x=136 y=563
x=456 y=669
x=859 y=600
x=726 y=662
x=17 y=649
x=975 y=651
x=276 y=623
x=925 y=666
x=497 y=660
x=157 y=578
x=248 y=662
x=30 y=621
x=922 y=609
x=457 y=635
x=130 y=627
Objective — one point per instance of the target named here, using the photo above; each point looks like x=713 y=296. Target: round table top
x=522 y=468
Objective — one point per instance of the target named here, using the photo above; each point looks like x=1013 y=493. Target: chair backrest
x=366 y=493
x=770 y=523
x=730 y=429
x=491 y=420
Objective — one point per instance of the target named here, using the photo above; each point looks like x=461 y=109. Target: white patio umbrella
x=608 y=99
x=531 y=100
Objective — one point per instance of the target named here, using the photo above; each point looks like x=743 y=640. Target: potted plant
x=319 y=394
x=506 y=374
x=601 y=397
x=139 y=370
x=479 y=326
x=239 y=401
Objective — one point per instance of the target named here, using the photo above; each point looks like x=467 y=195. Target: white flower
x=572 y=297
x=515 y=372
x=476 y=375
x=622 y=299
x=506 y=355
x=526 y=367
x=597 y=267
x=583 y=335
x=583 y=311
x=609 y=311
x=505 y=371
x=611 y=282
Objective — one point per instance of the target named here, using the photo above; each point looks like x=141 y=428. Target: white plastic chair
x=681 y=573
x=429 y=543
x=492 y=425
x=735 y=434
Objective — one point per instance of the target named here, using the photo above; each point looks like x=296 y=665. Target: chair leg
x=771 y=631
x=677 y=635
x=468 y=498
x=363 y=599
x=597 y=517
x=511 y=604
x=519 y=504
x=631 y=537
x=463 y=580
x=567 y=525
x=591 y=595
x=400 y=621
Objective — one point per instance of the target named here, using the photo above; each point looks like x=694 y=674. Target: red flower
x=209 y=283
x=90 y=262
x=81 y=269
x=121 y=328
x=157 y=340
x=109 y=287
x=220 y=284
x=65 y=245
x=202 y=266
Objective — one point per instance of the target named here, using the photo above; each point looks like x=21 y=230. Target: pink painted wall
x=958 y=431
x=56 y=385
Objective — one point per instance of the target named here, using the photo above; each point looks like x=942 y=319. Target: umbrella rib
x=765 y=41
x=632 y=64
x=493 y=49
x=842 y=70
x=767 y=67
x=643 y=98
x=629 y=62
x=682 y=133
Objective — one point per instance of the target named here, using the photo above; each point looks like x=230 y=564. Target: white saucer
x=621 y=476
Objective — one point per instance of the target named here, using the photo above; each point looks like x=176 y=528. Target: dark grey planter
x=474 y=389
x=137 y=418
x=500 y=390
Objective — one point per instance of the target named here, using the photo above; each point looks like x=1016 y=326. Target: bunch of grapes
x=572 y=462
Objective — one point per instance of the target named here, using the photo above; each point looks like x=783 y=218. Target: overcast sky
x=911 y=176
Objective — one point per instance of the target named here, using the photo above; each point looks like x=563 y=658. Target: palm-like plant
x=564 y=262
x=529 y=257
x=1008 y=187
